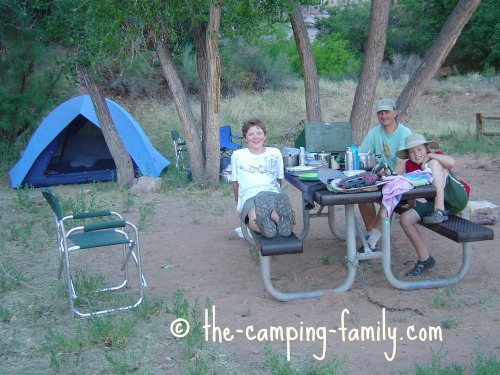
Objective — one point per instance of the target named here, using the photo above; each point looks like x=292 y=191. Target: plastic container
x=355 y=156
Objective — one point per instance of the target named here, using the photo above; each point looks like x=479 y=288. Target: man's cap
x=414 y=140
x=386 y=104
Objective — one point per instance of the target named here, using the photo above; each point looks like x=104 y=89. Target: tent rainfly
x=68 y=147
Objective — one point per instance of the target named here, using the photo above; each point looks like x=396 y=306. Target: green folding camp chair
x=113 y=244
x=179 y=148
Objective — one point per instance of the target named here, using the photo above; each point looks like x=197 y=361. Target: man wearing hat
x=385 y=139
x=451 y=195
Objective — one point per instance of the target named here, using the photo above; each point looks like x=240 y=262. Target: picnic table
x=316 y=197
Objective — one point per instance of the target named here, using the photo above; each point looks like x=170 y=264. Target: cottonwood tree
x=445 y=41
x=367 y=83
x=94 y=46
x=101 y=32
x=408 y=99
x=203 y=20
x=121 y=157
x=84 y=28
x=311 y=84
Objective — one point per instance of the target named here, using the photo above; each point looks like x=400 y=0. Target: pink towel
x=397 y=185
x=392 y=191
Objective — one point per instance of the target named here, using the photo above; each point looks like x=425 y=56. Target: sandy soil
x=199 y=251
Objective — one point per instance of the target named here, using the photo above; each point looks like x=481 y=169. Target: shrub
x=246 y=66
x=333 y=58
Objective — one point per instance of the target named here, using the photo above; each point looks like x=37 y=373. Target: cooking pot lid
x=290 y=151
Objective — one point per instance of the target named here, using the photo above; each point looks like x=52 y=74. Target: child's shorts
x=455 y=198
x=249 y=204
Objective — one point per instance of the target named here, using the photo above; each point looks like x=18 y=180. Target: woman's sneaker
x=436 y=217
x=421 y=266
x=264 y=205
x=285 y=214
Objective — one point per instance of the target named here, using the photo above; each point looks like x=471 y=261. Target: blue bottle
x=354 y=150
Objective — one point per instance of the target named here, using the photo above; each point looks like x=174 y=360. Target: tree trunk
x=183 y=109
x=212 y=146
x=367 y=84
x=434 y=58
x=311 y=85
x=201 y=45
x=121 y=157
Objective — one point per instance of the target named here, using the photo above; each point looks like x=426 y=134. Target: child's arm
x=445 y=160
x=236 y=187
x=400 y=166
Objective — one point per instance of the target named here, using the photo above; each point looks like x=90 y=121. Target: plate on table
x=332 y=186
x=300 y=170
x=309 y=176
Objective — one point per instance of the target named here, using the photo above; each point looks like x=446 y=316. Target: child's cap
x=414 y=140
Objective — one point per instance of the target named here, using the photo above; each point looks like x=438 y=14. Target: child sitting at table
x=257 y=173
x=451 y=195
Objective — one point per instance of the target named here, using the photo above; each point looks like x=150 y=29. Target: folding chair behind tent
x=110 y=233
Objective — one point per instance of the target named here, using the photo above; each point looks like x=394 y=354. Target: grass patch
x=280 y=365
x=327 y=261
x=489 y=365
x=10 y=278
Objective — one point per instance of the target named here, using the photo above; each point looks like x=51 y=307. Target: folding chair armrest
x=237 y=137
x=104 y=225
x=86 y=215
x=93 y=214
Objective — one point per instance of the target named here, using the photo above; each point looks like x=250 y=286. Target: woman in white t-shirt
x=257 y=173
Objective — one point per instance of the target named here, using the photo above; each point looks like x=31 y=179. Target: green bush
x=234 y=75
x=414 y=26
x=333 y=58
x=32 y=72
x=246 y=66
x=350 y=21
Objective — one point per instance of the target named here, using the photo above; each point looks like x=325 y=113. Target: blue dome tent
x=68 y=147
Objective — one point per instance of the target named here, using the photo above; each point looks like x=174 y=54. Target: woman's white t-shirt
x=256 y=173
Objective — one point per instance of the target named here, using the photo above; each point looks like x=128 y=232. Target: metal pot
x=325 y=157
x=290 y=161
x=367 y=160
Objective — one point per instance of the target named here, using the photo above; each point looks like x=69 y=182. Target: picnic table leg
x=419 y=284
x=265 y=270
x=351 y=253
x=351 y=258
x=306 y=219
x=331 y=224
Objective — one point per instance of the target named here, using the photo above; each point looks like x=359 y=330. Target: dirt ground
x=200 y=252
x=189 y=244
